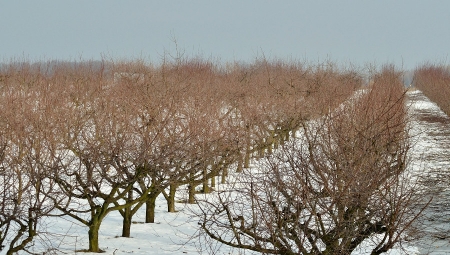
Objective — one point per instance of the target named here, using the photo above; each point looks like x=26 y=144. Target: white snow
x=172 y=233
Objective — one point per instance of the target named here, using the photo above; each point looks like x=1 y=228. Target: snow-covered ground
x=177 y=233
x=172 y=233
x=431 y=158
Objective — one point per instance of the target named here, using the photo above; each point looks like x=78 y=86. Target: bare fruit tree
x=94 y=160
x=24 y=143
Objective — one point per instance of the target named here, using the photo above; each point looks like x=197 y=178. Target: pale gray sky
x=359 y=32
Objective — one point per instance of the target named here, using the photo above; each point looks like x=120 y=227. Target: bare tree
x=24 y=182
x=94 y=143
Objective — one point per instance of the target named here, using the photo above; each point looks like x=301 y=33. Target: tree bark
x=247 y=158
x=150 y=210
x=126 y=225
x=213 y=182
x=171 y=198
x=276 y=142
x=93 y=236
x=269 y=143
x=240 y=163
x=191 y=187
x=224 y=174
x=205 y=180
x=127 y=216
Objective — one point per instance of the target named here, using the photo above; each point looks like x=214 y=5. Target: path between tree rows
x=431 y=159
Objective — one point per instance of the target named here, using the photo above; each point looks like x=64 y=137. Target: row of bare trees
x=81 y=140
x=434 y=81
x=340 y=185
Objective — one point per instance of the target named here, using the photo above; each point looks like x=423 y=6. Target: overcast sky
x=406 y=32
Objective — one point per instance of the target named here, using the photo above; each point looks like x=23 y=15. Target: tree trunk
x=247 y=151
x=224 y=174
x=282 y=137
x=276 y=142
x=126 y=225
x=150 y=205
x=261 y=150
x=171 y=198
x=205 y=180
x=240 y=162
x=247 y=158
x=191 y=199
x=213 y=182
x=286 y=136
x=191 y=187
x=269 y=148
x=93 y=236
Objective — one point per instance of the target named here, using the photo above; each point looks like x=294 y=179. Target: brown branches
x=92 y=137
x=434 y=82
x=24 y=137
x=339 y=183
